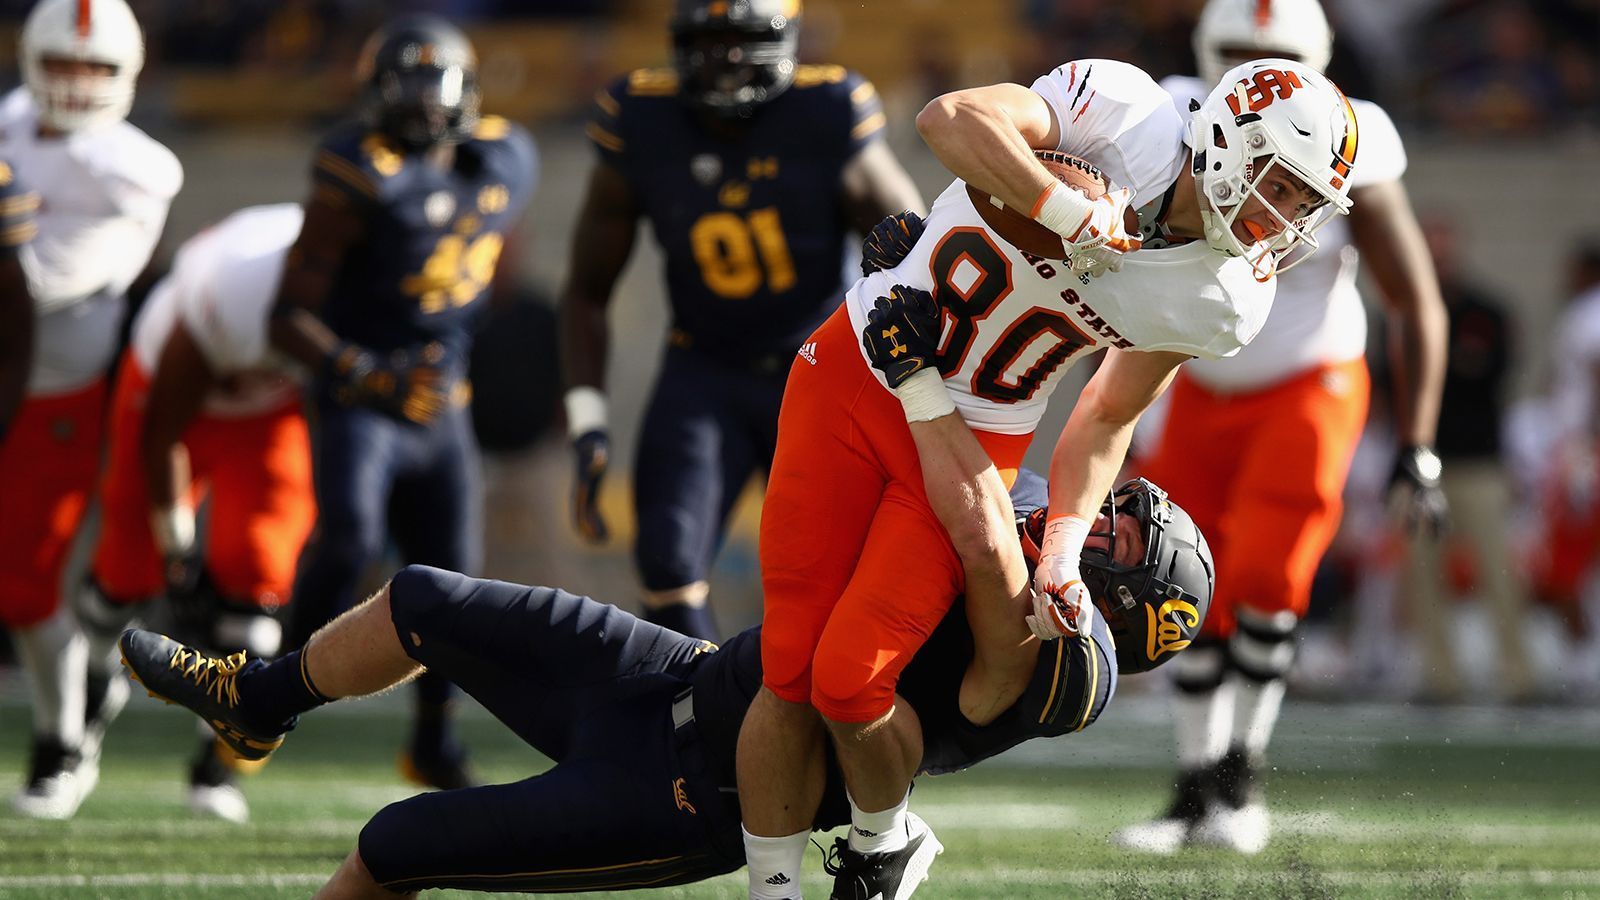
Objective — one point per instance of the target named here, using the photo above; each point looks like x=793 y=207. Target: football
x=1020 y=230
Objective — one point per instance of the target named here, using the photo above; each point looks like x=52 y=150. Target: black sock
x=692 y=621
x=274 y=694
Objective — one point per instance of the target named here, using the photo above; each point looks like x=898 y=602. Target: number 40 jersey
x=1015 y=323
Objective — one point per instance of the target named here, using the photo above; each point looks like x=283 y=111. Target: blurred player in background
x=408 y=212
x=18 y=206
x=855 y=566
x=105 y=189
x=204 y=409
x=1258 y=446
x=750 y=169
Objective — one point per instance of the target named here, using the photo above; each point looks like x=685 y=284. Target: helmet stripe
x=1263 y=13
x=1344 y=154
x=84 y=8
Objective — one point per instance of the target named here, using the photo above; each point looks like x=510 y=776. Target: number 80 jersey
x=1014 y=323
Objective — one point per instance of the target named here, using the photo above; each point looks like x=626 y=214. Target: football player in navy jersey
x=642 y=722
x=409 y=209
x=17 y=207
x=750 y=169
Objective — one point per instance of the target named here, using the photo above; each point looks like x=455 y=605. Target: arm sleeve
x=605 y=128
x=867 y=119
x=346 y=172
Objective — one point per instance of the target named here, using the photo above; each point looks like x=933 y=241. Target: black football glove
x=593 y=452
x=1416 y=472
x=889 y=242
x=416 y=392
x=902 y=333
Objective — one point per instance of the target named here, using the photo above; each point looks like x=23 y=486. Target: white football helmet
x=1265 y=114
x=97 y=31
x=1286 y=29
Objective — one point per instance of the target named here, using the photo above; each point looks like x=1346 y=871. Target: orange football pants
x=856 y=568
x=257 y=472
x=48 y=463
x=1262 y=473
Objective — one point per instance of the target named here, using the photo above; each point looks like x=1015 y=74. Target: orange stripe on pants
x=1262 y=474
x=856 y=568
x=257 y=473
x=47 y=467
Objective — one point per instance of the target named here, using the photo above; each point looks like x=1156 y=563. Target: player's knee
x=1263 y=646
x=415 y=593
x=1200 y=667
x=847 y=690
x=393 y=845
x=354 y=880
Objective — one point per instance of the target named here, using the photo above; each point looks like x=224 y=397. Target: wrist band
x=586 y=410
x=173 y=529
x=923 y=396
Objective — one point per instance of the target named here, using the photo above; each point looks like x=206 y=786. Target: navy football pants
x=708 y=428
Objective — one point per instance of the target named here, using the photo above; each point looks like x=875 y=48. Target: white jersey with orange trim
x=1318 y=318
x=1015 y=324
x=1577 y=359
x=221 y=289
x=104 y=194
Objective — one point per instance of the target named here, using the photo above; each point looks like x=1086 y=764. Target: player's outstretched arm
x=1083 y=468
x=874 y=186
x=330 y=230
x=602 y=240
x=967 y=494
x=178 y=388
x=1386 y=232
x=16 y=339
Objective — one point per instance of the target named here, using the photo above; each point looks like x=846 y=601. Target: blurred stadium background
x=1499 y=103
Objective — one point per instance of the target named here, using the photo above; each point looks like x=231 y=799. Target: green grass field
x=1369 y=801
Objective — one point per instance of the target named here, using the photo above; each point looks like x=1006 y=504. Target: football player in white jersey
x=1257 y=446
x=105 y=188
x=204 y=406
x=855 y=566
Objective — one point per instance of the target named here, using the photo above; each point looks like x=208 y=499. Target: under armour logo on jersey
x=808 y=352
x=778 y=880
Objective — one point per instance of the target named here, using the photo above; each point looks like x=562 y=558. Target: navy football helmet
x=420 y=82
x=1154 y=607
x=734 y=55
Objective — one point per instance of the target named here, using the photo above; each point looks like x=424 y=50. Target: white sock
x=1256 y=713
x=54 y=654
x=774 y=863
x=1201 y=725
x=878 y=832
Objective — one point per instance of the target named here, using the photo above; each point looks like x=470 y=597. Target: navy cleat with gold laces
x=207 y=685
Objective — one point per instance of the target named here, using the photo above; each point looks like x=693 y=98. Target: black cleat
x=207 y=685
x=1174 y=829
x=892 y=875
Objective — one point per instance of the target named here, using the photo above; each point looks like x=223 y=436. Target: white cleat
x=1244 y=830
x=1161 y=836
x=219 y=801
x=54 y=796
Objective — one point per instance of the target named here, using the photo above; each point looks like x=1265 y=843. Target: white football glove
x=1091 y=230
x=1060 y=611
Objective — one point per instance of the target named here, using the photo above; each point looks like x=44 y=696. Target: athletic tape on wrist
x=923 y=397
x=1063 y=210
x=1064 y=536
x=586 y=410
x=173 y=529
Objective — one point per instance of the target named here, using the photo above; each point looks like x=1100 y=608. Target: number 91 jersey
x=430 y=238
x=1015 y=323
x=751 y=222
